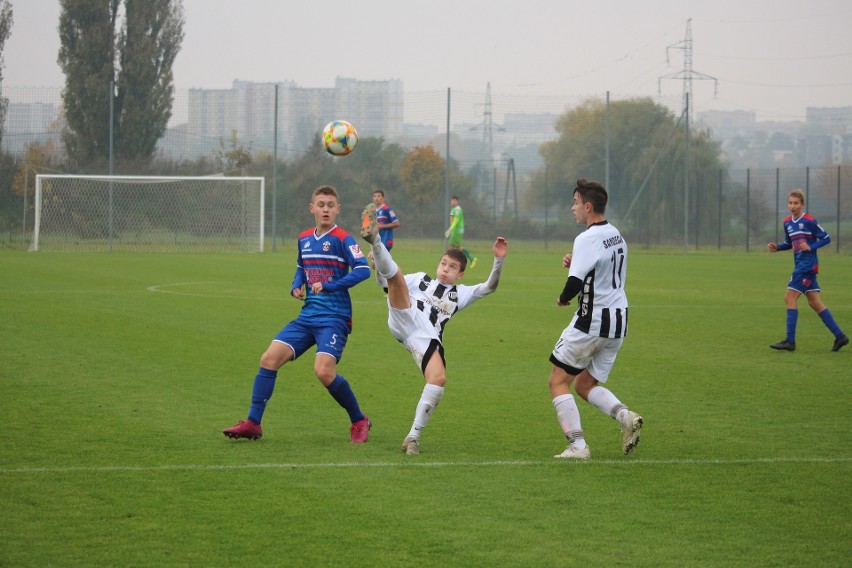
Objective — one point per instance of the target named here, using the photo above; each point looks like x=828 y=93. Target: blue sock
x=829 y=322
x=264 y=383
x=792 y=318
x=342 y=393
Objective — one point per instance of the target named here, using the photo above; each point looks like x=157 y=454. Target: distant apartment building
x=725 y=124
x=248 y=111
x=29 y=122
x=830 y=120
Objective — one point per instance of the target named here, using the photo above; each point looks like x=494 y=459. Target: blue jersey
x=805 y=229
x=386 y=216
x=328 y=259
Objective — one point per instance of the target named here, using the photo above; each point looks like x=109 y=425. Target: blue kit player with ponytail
x=329 y=262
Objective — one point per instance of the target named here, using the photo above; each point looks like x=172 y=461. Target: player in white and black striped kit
x=587 y=348
x=419 y=307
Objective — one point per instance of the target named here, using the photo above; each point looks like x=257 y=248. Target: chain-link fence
x=665 y=197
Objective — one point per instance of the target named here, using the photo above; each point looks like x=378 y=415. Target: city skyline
x=759 y=56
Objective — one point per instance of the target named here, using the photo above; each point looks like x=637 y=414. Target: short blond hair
x=797 y=193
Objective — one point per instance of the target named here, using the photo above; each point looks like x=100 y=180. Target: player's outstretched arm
x=500 y=247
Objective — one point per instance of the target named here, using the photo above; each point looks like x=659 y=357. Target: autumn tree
x=138 y=58
x=234 y=158
x=422 y=174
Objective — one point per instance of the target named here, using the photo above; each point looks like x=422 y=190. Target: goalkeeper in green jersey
x=455 y=234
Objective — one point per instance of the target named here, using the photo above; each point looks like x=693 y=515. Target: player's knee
x=275 y=357
x=584 y=383
x=325 y=369
x=437 y=380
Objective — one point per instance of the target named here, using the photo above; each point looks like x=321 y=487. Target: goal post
x=148 y=214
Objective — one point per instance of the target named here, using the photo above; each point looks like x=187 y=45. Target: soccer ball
x=339 y=138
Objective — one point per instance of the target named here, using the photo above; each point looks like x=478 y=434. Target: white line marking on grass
x=412 y=463
x=162 y=288
x=165 y=289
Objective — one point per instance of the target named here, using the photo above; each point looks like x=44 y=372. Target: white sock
x=385 y=264
x=428 y=401
x=606 y=402
x=568 y=416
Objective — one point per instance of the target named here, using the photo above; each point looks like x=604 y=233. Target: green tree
x=646 y=167
x=148 y=45
x=6 y=21
x=139 y=60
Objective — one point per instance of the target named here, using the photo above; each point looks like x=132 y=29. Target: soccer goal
x=148 y=214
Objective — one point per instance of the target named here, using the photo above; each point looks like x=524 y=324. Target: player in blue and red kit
x=804 y=235
x=387 y=222
x=329 y=263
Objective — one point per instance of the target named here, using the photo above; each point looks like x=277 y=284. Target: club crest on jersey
x=454 y=296
x=326 y=246
x=356 y=251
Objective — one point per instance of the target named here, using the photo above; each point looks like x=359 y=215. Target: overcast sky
x=775 y=57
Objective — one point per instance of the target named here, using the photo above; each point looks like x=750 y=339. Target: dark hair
x=592 y=192
x=456 y=197
x=379 y=191
x=457 y=254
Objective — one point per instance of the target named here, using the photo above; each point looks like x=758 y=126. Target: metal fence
x=491 y=139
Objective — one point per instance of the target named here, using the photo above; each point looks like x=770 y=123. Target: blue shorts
x=804 y=282
x=301 y=334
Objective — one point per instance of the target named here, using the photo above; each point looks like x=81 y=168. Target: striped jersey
x=599 y=260
x=439 y=302
x=805 y=229
x=328 y=258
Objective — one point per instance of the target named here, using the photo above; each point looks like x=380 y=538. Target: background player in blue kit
x=419 y=307
x=804 y=235
x=585 y=352
x=386 y=218
x=387 y=222
x=329 y=262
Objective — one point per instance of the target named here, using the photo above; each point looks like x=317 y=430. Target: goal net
x=148 y=214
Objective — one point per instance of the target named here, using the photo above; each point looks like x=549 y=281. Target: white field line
x=416 y=464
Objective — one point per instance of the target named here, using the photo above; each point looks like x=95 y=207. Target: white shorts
x=577 y=350
x=413 y=329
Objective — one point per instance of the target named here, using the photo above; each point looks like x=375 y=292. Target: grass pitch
x=119 y=371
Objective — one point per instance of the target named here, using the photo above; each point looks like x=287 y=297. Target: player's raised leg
x=386 y=267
